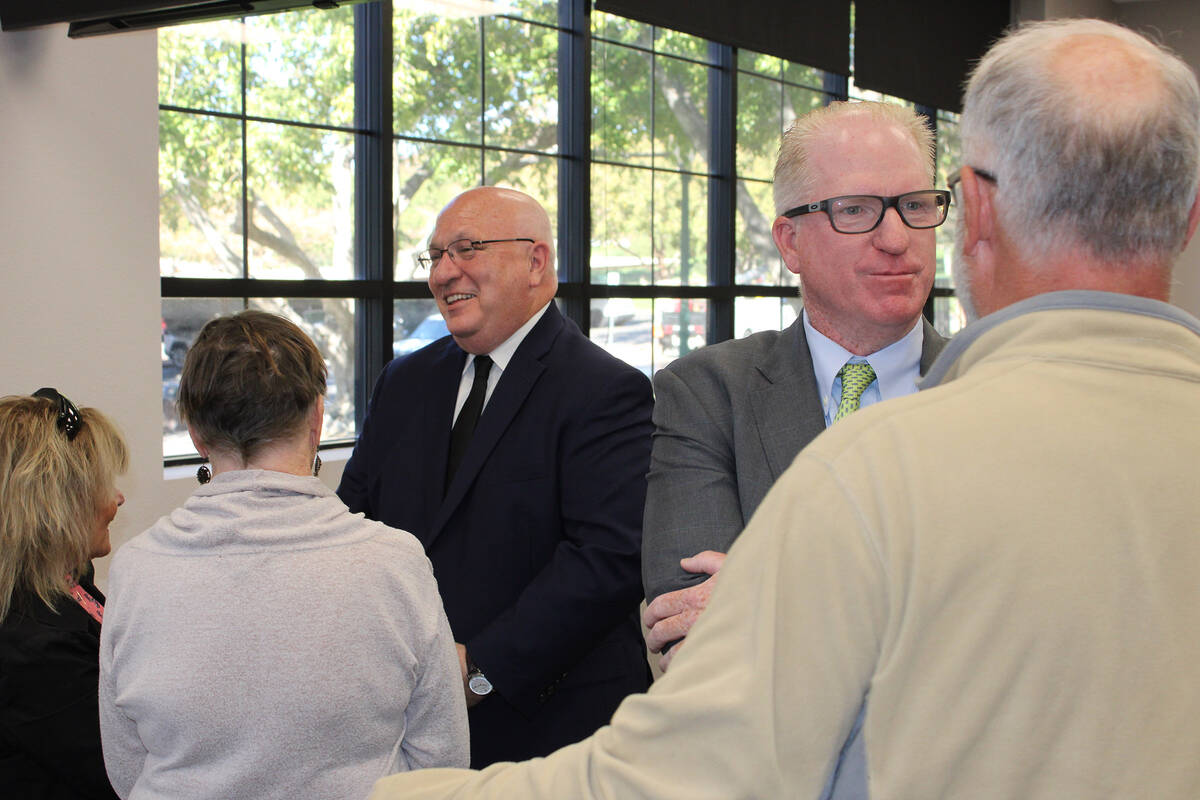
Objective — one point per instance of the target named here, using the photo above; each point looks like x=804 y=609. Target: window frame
x=374 y=288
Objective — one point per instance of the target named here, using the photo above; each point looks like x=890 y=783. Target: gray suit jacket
x=729 y=419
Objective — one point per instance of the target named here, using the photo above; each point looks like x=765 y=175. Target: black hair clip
x=69 y=418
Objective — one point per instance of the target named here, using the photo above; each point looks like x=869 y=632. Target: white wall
x=79 y=235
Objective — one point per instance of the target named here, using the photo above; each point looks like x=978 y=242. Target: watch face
x=479 y=685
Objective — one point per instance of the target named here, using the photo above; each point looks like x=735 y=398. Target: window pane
x=680 y=44
x=948 y=317
x=426 y=178
x=805 y=76
x=200 y=196
x=857 y=93
x=437 y=84
x=680 y=326
x=759 y=123
x=680 y=115
x=182 y=319
x=757 y=260
x=521 y=86
x=949 y=159
x=200 y=66
x=621 y=106
x=300 y=66
x=620 y=29
x=680 y=229
x=301 y=200
x=329 y=322
x=621 y=224
x=415 y=323
x=537 y=10
x=760 y=63
x=621 y=325
x=753 y=314
x=797 y=102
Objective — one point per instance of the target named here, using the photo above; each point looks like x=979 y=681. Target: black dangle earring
x=317 y=465
x=204 y=474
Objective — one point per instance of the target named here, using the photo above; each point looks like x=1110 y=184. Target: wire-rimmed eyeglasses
x=459 y=250
x=862 y=213
x=69 y=419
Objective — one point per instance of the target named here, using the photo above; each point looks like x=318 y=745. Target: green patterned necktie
x=855 y=380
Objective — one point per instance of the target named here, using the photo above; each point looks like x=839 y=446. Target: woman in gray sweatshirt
x=262 y=641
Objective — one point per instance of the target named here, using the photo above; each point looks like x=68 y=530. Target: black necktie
x=464 y=426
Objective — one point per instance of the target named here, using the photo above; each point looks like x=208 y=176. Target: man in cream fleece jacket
x=1024 y=626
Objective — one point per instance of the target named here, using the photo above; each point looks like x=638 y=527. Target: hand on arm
x=672 y=615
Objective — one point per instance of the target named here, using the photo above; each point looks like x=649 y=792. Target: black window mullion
x=722 y=184
x=574 y=164
x=373 y=195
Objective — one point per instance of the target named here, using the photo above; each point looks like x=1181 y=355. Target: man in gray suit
x=853 y=190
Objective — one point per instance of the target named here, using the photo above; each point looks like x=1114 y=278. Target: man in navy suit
x=532 y=514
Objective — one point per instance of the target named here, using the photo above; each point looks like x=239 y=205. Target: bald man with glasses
x=516 y=450
x=857 y=212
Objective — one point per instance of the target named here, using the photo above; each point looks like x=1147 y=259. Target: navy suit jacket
x=536 y=543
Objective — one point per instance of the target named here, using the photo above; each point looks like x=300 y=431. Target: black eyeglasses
x=69 y=419
x=862 y=213
x=956 y=178
x=459 y=250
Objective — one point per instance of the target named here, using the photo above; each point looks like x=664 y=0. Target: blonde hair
x=51 y=492
x=793 y=182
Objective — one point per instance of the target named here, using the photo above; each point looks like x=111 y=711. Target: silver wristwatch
x=477 y=682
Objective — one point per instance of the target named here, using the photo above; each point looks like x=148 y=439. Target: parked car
x=617 y=310
x=428 y=331
x=174 y=347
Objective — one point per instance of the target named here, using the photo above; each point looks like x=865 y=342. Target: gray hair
x=1113 y=172
x=793 y=181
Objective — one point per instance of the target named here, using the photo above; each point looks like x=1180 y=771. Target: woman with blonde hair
x=262 y=641
x=58 y=465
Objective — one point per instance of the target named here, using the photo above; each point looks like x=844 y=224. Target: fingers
x=670 y=629
x=672 y=603
x=706 y=561
x=672 y=615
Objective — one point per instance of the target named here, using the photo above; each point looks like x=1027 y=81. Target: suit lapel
x=515 y=384
x=787 y=410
